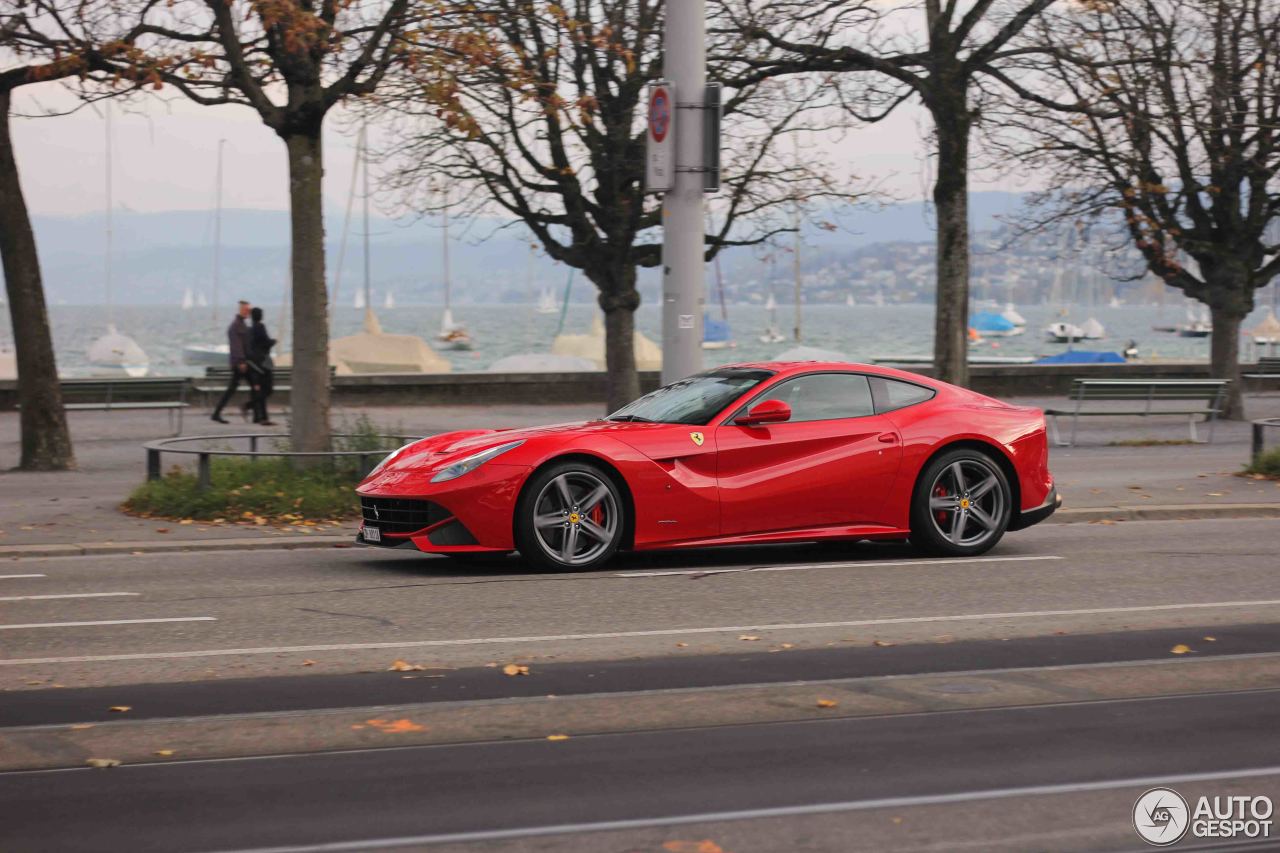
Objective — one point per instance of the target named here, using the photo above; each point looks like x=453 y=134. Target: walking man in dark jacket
x=238 y=340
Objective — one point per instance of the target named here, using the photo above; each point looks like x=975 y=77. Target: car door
x=831 y=464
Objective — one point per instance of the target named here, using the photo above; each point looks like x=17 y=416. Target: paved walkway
x=77 y=512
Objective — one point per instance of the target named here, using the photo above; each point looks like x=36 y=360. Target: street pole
x=683 y=279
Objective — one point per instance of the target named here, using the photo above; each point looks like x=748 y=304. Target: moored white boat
x=1062 y=332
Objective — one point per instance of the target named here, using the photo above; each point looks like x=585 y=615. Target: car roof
x=790 y=368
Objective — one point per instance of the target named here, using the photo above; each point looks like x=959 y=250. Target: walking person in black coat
x=238 y=341
x=261 y=368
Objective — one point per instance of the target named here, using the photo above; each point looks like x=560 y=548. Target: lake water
x=861 y=332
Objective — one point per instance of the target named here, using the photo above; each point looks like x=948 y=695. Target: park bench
x=127 y=394
x=1189 y=397
x=1268 y=368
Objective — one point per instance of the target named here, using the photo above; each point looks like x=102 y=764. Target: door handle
x=888 y=437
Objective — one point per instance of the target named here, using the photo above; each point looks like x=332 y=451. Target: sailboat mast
x=364 y=179
x=795 y=263
x=110 y=223
x=445 y=256
x=217 y=235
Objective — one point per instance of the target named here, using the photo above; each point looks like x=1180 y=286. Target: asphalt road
x=427 y=794
x=1061 y=695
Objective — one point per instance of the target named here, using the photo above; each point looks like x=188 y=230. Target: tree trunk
x=1224 y=357
x=619 y=300
x=951 y=201
x=46 y=441
x=309 y=398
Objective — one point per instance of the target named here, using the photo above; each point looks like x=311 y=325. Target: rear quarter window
x=893 y=394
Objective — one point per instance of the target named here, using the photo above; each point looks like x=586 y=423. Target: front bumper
x=1028 y=517
x=475 y=510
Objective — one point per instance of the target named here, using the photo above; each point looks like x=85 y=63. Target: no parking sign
x=660 y=169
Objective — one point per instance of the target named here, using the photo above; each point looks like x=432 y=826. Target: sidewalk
x=77 y=512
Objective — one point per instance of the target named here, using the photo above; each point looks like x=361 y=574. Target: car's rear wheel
x=962 y=504
x=570 y=516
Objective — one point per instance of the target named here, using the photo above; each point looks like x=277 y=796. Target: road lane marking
x=774 y=812
x=107 y=622
x=850 y=565
x=66 y=595
x=613 y=635
x=12 y=577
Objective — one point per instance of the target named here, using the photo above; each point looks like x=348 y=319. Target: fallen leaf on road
x=102 y=762
x=186 y=521
x=557 y=737
x=515 y=669
x=120 y=709
x=882 y=643
x=308 y=663
x=1213 y=494
x=1210 y=639
x=749 y=638
x=405 y=666
x=1102 y=521
x=1180 y=649
x=827 y=703
x=682 y=645
x=705 y=846
x=896 y=819
x=163 y=753
x=79 y=726
x=392 y=727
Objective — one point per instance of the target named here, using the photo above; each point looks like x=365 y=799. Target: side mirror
x=768 y=412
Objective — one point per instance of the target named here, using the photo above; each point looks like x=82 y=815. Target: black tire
x=964 y=520
x=581 y=534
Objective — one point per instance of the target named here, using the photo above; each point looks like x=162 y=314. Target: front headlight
x=457 y=469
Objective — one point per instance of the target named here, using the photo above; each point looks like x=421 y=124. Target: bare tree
x=45 y=40
x=534 y=110
x=291 y=61
x=947 y=54
x=1163 y=117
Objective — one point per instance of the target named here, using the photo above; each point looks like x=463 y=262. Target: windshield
x=695 y=400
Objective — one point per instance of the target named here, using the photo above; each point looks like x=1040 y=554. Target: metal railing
x=1259 y=437
x=204 y=456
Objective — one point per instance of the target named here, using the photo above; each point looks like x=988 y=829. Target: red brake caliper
x=597 y=514
x=940 y=492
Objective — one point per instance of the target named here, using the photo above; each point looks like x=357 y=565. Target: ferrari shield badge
x=697 y=438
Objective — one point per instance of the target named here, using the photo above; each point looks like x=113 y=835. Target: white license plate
x=372 y=534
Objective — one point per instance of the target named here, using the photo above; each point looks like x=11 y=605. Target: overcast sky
x=165 y=155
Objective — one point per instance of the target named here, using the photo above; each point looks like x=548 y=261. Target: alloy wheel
x=576 y=518
x=966 y=503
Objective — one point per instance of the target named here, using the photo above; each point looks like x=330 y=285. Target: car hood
x=451 y=446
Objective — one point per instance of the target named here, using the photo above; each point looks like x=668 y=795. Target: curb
x=1168 y=512
x=98 y=549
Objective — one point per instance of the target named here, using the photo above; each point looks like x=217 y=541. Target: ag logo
x=1161 y=817
x=697 y=438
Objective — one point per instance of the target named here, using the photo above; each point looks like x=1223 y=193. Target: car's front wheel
x=570 y=516
x=962 y=504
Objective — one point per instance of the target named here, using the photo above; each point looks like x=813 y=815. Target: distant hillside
x=159 y=255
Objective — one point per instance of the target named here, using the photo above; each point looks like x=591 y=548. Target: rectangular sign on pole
x=660 y=139
x=711 y=139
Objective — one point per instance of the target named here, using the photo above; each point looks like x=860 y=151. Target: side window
x=824 y=396
x=892 y=394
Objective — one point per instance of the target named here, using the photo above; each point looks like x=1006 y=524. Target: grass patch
x=244 y=490
x=266 y=490
x=1150 y=442
x=1266 y=465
